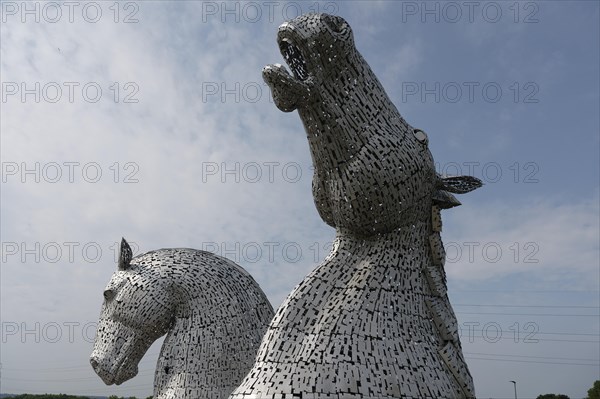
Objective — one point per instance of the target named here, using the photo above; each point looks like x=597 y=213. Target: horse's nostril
x=94 y=363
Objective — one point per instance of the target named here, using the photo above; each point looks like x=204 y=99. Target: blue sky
x=152 y=122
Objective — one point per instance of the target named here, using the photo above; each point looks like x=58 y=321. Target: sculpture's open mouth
x=290 y=90
x=294 y=58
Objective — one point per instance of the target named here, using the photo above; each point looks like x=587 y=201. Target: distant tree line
x=593 y=393
x=64 y=396
x=48 y=396
x=122 y=397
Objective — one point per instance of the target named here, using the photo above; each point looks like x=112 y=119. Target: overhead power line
x=530 y=314
x=530 y=356
x=529 y=306
x=533 y=361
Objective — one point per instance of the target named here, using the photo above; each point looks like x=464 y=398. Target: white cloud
x=170 y=136
x=540 y=236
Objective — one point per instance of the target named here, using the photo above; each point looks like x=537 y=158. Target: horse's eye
x=109 y=294
x=421 y=136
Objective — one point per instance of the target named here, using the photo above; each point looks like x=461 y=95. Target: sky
x=149 y=120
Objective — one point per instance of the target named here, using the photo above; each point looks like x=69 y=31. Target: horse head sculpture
x=374 y=319
x=213 y=312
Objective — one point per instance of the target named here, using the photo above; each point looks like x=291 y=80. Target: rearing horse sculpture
x=212 y=310
x=373 y=320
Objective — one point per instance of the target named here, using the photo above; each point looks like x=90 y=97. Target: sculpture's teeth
x=294 y=58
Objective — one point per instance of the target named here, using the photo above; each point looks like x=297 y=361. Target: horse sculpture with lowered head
x=212 y=310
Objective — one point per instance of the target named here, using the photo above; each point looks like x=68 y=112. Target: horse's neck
x=409 y=240
x=190 y=361
x=410 y=258
x=210 y=347
x=186 y=344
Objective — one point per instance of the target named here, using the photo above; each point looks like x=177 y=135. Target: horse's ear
x=125 y=255
x=458 y=184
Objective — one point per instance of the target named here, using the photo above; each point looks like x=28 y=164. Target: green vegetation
x=594 y=391
x=552 y=396
x=64 y=396
x=48 y=396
